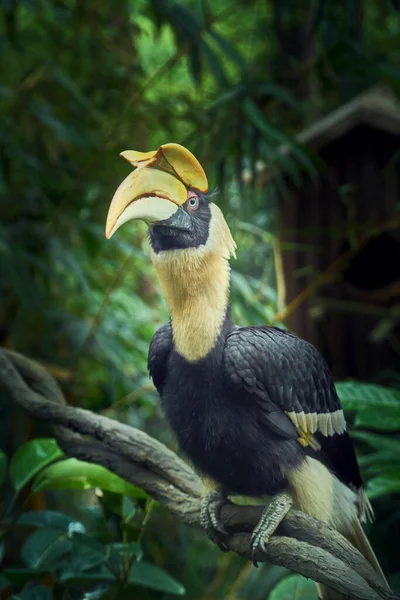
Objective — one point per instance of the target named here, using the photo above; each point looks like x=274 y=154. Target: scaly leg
x=271 y=517
x=209 y=516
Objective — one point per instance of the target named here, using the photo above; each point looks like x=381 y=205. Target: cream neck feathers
x=195 y=284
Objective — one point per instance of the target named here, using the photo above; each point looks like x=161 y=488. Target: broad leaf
x=376 y=407
x=40 y=592
x=379 y=418
x=87 y=552
x=153 y=577
x=44 y=547
x=51 y=518
x=87 y=558
x=294 y=587
x=128 y=509
x=380 y=442
x=76 y=474
x=376 y=462
x=130 y=548
x=72 y=572
x=97 y=593
x=382 y=486
x=30 y=458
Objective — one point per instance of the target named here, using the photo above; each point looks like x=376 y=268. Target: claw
x=271 y=517
x=209 y=517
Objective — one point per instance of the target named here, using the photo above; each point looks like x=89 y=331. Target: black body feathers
x=229 y=409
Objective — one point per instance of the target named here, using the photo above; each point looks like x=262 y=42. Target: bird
x=254 y=409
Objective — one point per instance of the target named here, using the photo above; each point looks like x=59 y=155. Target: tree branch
x=301 y=544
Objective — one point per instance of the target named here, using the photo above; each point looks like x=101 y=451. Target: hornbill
x=253 y=408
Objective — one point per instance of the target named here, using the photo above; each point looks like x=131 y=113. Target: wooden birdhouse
x=341 y=240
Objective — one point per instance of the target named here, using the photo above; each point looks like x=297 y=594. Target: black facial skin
x=187 y=228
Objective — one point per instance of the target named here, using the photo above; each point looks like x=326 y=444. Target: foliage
x=294 y=587
x=376 y=427
x=378 y=409
x=80 y=82
x=105 y=555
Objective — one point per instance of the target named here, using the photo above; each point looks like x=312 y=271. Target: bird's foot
x=209 y=517
x=271 y=517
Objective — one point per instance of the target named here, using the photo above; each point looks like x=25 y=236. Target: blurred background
x=292 y=106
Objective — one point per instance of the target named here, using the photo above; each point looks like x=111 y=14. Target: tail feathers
x=358 y=538
x=365 y=510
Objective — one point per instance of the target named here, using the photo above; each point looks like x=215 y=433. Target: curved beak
x=158 y=187
x=146 y=194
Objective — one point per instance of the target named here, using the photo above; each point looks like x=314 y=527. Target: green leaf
x=271 y=133
x=40 y=592
x=356 y=393
x=154 y=578
x=391 y=471
x=76 y=474
x=227 y=97
x=229 y=49
x=30 y=458
x=43 y=547
x=214 y=63
x=380 y=442
x=72 y=572
x=112 y=502
x=194 y=59
x=53 y=519
x=99 y=592
x=3 y=467
x=376 y=461
x=87 y=552
x=379 y=418
x=131 y=548
x=383 y=485
x=294 y=587
x=280 y=92
x=128 y=509
x=376 y=407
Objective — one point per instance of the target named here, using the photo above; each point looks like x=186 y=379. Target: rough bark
x=301 y=544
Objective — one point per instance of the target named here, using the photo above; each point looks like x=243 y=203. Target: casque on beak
x=158 y=187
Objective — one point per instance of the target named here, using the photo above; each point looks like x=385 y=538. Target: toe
x=258 y=542
x=253 y=557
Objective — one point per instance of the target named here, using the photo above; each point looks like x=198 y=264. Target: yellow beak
x=158 y=186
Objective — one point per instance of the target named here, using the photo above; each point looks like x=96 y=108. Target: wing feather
x=160 y=347
x=285 y=373
x=289 y=372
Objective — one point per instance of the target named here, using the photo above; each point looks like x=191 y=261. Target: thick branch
x=128 y=442
x=301 y=544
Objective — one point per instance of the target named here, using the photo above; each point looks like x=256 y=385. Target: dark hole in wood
x=377 y=265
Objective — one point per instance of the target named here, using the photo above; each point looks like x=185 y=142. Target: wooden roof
x=377 y=108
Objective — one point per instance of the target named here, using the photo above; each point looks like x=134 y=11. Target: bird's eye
x=193 y=203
